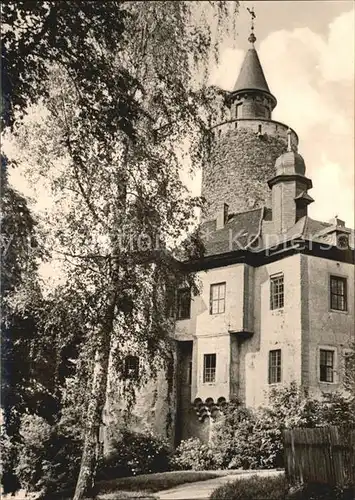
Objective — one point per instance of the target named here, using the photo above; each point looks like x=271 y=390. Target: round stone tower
x=246 y=145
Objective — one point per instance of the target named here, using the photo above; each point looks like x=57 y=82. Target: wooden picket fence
x=320 y=455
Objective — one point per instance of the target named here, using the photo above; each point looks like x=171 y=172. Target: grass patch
x=142 y=486
x=253 y=488
x=277 y=488
x=126 y=495
x=152 y=483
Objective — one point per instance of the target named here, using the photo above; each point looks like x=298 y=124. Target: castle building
x=277 y=288
x=276 y=300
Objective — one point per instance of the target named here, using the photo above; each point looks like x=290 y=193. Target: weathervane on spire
x=252 y=37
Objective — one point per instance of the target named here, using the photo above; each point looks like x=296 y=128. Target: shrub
x=252 y=439
x=338 y=409
x=9 y=458
x=248 y=439
x=192 y=454
x=321 y=492
x=253 y=488
x=133 y=454
x=49 y=456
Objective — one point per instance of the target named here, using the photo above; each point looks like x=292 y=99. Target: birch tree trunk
x=95 y=408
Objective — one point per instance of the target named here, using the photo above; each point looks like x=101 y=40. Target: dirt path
x=201 y=490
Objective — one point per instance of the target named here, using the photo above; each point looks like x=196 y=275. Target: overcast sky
x=307 y=53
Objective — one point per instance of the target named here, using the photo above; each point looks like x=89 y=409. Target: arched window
x=131 y=367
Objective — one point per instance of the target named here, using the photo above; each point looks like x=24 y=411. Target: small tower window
x=259 y=129
x=131 y=367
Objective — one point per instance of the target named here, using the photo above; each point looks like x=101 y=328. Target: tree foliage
x=24 y=384
x=123 y=108
x=37 y=35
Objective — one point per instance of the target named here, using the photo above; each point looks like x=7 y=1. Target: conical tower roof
x=251 y=76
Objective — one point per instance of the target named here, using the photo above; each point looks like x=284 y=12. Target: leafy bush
x=321 y=492
x=248 y=439
x=276 y=488
x=8 y=447
x=192 y=454
x=134 y=454
x=49 y=456
x=252 y=439
x=253 y=488
x=338 y=410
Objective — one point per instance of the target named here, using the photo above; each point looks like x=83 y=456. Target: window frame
x=332 y=349
x=218 y=300
x=277 y=367
x=211 y=378
x=277 y=294
x=344 y=279
x=179 y=294
x=131 y=373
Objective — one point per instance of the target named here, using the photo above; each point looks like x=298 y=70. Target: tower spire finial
x=252 y=37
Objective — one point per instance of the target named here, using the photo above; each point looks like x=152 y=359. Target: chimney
x=337 y=222
x=222 y=216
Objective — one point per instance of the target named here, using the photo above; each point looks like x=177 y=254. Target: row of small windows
x=337 y=290
x=326 y=366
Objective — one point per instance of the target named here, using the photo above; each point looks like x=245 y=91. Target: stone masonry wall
x=153 y=410
x=241 y=163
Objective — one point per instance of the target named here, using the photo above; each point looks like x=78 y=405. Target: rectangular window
x=218 y=298
x=338 y=293
x=326 y=365
x=275 y=366
x=131 y=366
x=277 y=291
x=209 y=368
x=183 y=303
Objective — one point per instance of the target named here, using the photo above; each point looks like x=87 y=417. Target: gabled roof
x=242 y=229
x=239 y=231
x=251 y=76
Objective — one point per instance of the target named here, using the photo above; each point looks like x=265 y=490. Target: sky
x=306 y=49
